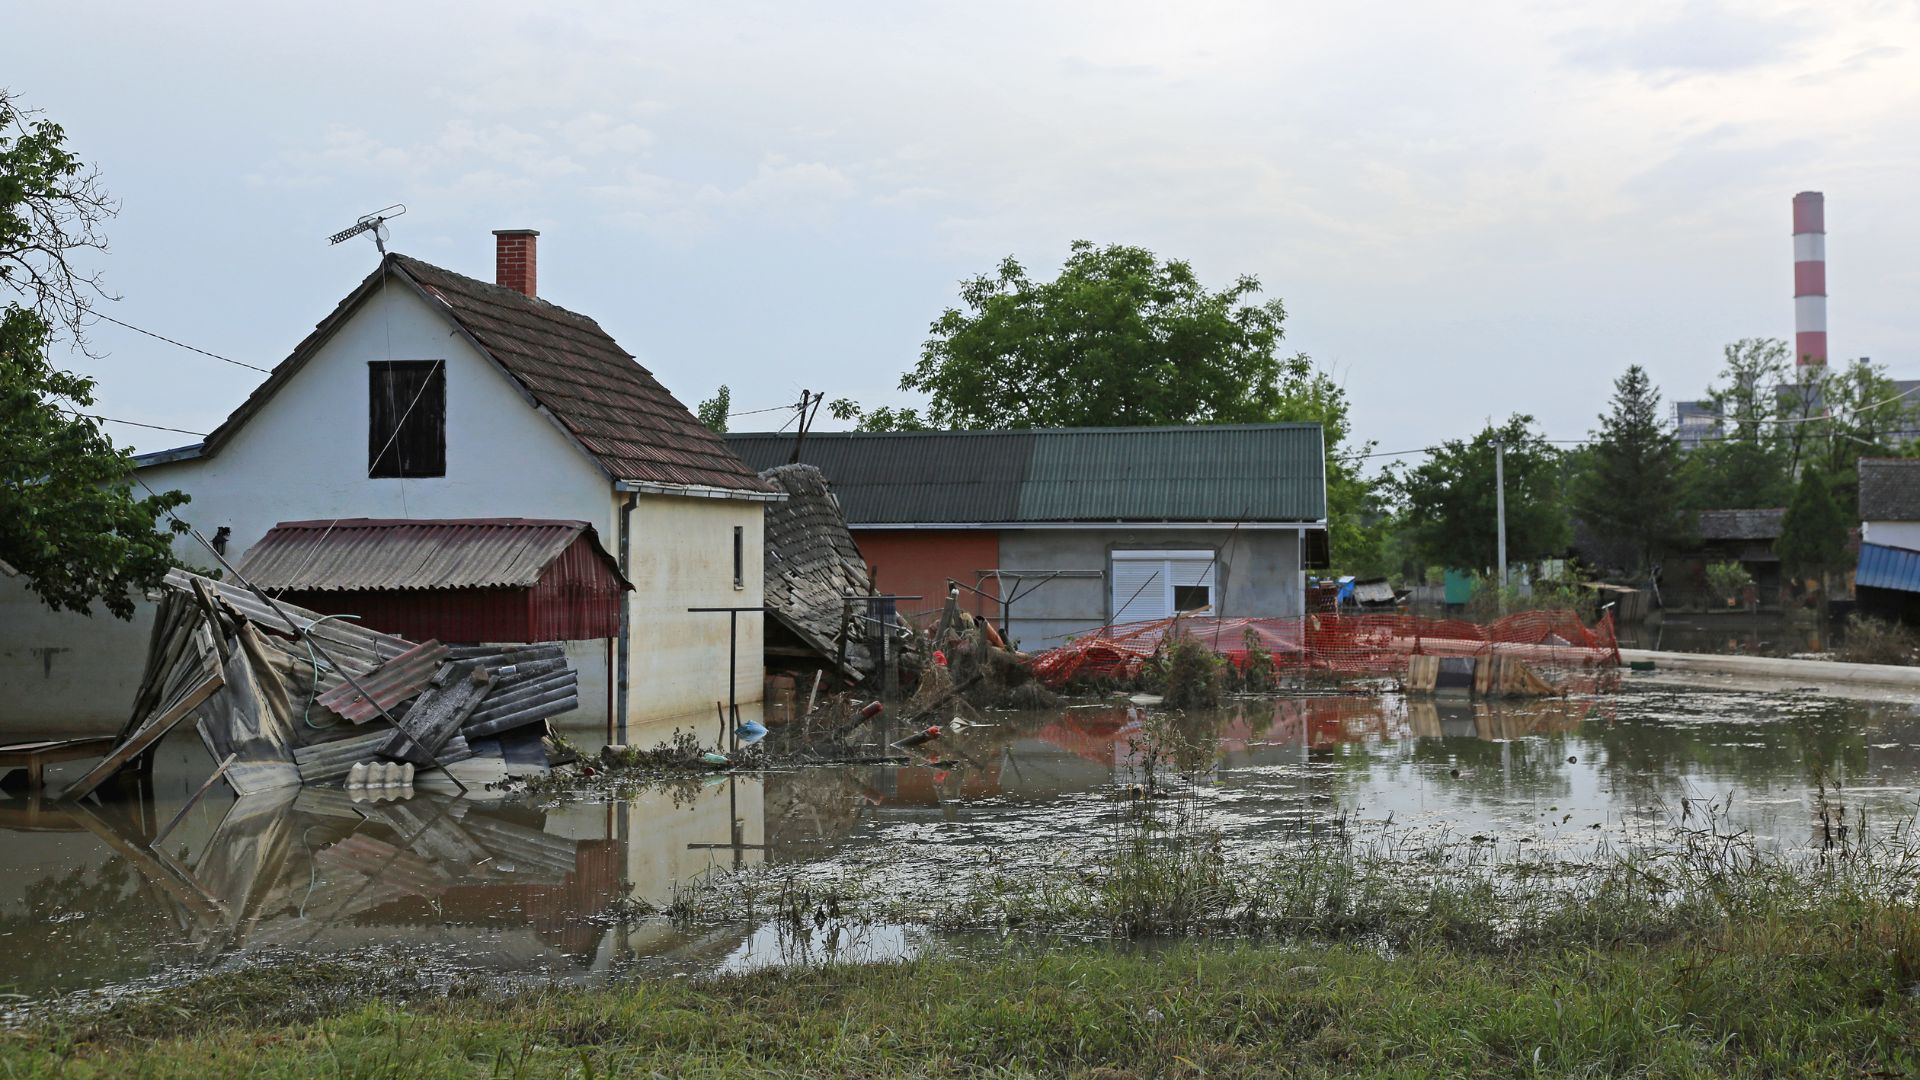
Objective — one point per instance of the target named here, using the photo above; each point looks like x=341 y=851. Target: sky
x=1468 y=210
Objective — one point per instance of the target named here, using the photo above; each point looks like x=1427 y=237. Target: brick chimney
x=513 y=259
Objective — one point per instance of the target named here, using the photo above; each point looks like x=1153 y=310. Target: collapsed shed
x=283 y=696
x=455 y=580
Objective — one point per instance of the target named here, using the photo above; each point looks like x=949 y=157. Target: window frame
x=740 y=557
x=392 y=454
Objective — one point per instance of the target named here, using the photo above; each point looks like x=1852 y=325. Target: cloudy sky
x=1469 y=210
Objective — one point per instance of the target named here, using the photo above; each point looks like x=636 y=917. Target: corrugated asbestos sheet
x=354 y=554
x=615 y=408
x=1883 y=567
x=1228 y=472
x=1889 y=489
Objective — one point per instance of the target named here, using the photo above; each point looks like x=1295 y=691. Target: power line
x=134 y=423
x=184 y=345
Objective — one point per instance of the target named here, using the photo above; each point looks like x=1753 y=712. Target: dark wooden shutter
x=406 y=418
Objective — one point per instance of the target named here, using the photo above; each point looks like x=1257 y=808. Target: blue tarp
x=1883 y=567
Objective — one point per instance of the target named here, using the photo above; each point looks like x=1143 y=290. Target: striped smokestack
x=1810 y=278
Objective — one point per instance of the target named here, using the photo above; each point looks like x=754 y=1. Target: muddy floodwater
x=524 y=887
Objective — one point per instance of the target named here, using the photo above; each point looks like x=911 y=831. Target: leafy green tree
x=1449 y=498
x=1122 y=338
x=1629 y=494
x=1813 y=534
x=70 y=525
x=1747 y=465
x=713 y=412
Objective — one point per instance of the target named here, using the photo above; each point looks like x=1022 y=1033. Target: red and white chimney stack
x=514 y=264
x=1810 y=278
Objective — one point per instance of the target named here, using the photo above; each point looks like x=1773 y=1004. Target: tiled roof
x=812 y=561
x=1740 y=524
x=1889 y=489
x=614 y=408
x=1214 y=473
x=367 y=554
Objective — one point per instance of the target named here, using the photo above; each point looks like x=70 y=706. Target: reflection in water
x=523 y=887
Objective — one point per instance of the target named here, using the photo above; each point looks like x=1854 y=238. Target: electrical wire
x=132 y=423
x=182 y=344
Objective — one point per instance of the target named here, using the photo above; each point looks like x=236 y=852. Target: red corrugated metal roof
x=363 y=554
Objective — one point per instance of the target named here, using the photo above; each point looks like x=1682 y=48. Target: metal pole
x=1500 y=514
x=733 y=680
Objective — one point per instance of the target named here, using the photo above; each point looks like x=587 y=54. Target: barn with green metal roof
x=1059 y=531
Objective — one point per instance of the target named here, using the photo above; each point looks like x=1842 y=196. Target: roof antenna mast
x=375 y=223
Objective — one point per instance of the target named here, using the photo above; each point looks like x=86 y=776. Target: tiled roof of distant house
x=1889 y=489
x=1740 y=524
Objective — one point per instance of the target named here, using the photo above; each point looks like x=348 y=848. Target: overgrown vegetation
x=1869 y=640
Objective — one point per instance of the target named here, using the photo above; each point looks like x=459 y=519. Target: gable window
x=406 y=418
x=739 y=556
x=1160 y=584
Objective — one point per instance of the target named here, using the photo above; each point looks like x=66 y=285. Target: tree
x=1122 y=338
x=713 y=412
x=69 y=522
x=1629 y=493
x=1813 y=534
x=1450 y=499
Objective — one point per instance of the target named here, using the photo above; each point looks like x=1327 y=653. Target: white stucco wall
x=1900 y=534
x=682 y=558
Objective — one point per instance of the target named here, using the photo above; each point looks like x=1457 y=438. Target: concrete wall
x=1258 y=574
x=1900 y=534
x=66 y=674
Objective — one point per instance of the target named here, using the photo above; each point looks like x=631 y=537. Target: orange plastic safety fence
x=1339 y=644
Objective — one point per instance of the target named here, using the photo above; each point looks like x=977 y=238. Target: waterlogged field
x=1325 y=818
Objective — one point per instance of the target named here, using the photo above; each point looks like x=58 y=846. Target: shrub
x=1876 y=641
x=1728 y=580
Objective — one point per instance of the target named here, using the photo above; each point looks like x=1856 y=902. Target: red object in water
x=872 y=710
x=918 y=737
x=939 y=658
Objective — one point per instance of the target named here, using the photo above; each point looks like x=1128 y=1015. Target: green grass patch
x=1827 y=996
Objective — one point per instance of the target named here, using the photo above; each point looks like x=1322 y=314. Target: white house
x=427 y=394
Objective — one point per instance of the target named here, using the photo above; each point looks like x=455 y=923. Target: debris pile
x=273 y=692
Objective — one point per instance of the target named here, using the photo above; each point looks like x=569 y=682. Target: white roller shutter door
x=1145 y=583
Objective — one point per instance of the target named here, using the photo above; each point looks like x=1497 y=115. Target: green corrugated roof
x=1227 y=472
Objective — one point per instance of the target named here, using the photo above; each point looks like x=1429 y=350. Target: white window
x=1160 y=584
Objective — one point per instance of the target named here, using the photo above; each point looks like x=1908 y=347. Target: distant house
x=1058 y=532
x=1887 y=579
x=1746 y=537
x=427 y=395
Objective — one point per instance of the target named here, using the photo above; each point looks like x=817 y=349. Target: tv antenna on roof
x=375 y=223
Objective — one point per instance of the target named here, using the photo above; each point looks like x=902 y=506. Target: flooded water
x=524 y=888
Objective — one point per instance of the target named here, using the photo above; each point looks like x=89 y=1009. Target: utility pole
x=1500 y=514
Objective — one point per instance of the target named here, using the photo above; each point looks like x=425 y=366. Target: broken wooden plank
x=142 y=739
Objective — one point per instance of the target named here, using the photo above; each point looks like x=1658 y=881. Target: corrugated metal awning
x=1883 y=567
x=365 y=554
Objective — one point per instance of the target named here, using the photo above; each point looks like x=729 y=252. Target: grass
x=1821 y=997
